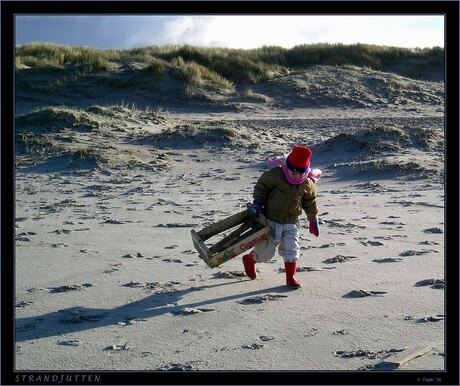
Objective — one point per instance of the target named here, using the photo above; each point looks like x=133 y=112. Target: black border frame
x=451 y=11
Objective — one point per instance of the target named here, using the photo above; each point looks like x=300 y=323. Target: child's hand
x=314 y=228
x=256 y=207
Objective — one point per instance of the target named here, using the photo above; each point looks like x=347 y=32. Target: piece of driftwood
x=250 y=231
x=406 y=356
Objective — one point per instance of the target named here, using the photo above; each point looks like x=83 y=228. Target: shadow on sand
x=76 y=319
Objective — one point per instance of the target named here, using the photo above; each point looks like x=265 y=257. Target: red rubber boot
x=249 y=265
x=291 y=281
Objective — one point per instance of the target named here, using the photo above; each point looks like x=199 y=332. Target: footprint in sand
x=336 y=223
x=392 y=225
x=176 y=225
x=174 y=246
x=388 y=260
x=253 y=346
x=366 y=353
x=372 y=243
x=266 y=338
x=362 y=294
x=111 y=270
x=188 y=366
x=72 y=287
x=340 y=332
x=229 y=275
x=62 y=231
x=434 y=283
x=192 y=311
x=177 y=261
x=313 y=331
x=23 y=304
x=162 y=287
x=262 y=299
x=114 y=222
x=339 y=259
x=118 y=347
x=433 y=230
x=73 y=343
x=332 y=245
x=131 y=256
x=130 y=322
x=428 y=243
x=87 y=251
x=433 y=319
x=75 y=316
x=417 y=253
x=23 y=236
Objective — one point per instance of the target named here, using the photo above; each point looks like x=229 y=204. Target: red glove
x=314 y=228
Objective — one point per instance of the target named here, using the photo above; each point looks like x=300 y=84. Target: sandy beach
x=109 y=186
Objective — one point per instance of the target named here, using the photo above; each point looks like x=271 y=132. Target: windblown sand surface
x=107 y=192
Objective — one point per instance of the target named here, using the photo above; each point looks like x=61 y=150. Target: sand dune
x=108 y=190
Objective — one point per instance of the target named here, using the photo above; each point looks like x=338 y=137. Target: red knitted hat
x=299 y=159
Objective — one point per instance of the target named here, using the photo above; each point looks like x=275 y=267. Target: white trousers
x=285 y=237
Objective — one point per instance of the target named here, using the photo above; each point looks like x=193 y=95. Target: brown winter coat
x=283 y=202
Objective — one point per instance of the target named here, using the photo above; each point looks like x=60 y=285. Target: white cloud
x=399 y=31
x=232 y=31
x=241 y=31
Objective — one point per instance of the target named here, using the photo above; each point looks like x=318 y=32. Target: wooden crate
x=249 y=232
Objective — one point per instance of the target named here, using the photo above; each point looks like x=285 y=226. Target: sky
x=230 y=31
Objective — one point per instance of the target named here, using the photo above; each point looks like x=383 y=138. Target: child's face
x=296 y=175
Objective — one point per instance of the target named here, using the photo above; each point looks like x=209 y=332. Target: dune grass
x=248 y=93
x=46 y=55
x=197 y=65
x=195 y=75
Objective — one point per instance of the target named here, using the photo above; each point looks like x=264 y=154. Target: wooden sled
x=250 y=231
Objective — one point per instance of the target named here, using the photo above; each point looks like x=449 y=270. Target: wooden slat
x=244 y=244
x=200 y=246
x=223 y=225
x=238 y=241
x=407 y=356
x=232 y=238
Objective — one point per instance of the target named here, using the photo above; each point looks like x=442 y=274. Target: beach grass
x=221 y=65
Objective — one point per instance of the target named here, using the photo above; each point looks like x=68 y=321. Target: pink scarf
x=314 y=174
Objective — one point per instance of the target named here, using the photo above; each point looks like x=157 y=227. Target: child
x=280 y=194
